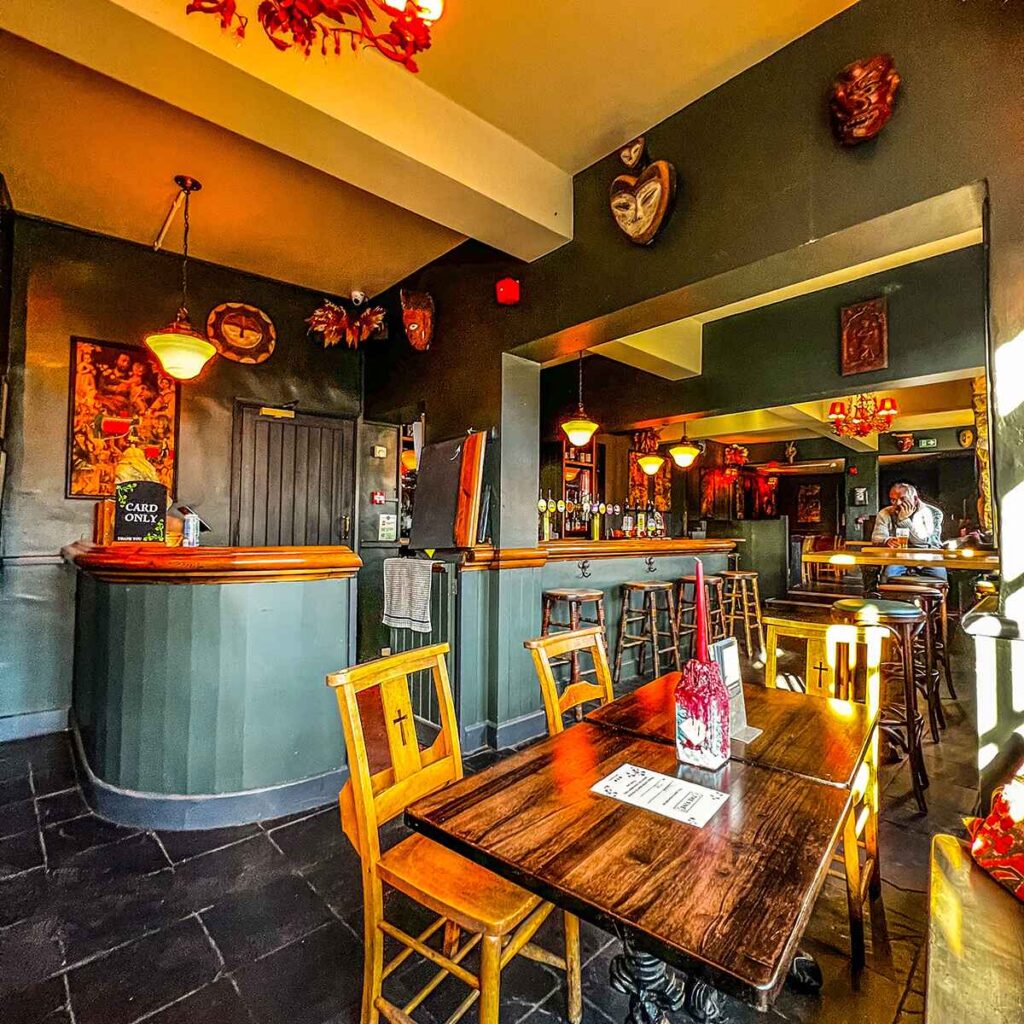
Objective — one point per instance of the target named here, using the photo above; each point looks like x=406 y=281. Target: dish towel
x=407 y=593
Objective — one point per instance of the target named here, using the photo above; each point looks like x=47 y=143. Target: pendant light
x=686 y=452
x=650 y=464
x=580 y=429
x=181 y=349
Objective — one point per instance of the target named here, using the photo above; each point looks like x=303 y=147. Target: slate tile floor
x=262 y=924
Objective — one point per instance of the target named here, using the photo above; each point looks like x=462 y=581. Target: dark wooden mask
x=862 y=100
x=418 y=318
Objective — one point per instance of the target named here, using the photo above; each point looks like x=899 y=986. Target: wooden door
x=292 y=479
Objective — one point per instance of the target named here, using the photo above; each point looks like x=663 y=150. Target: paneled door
x=292 y=479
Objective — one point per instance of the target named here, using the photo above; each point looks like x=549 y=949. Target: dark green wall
x=789 y=352
x=69 y=282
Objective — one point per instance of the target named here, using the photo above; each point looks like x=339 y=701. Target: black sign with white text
x=140 y=511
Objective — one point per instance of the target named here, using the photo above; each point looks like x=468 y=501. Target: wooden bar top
x=157 y=563
x=726 y=903
x=486 y=557
x=813 y=737
x=975 y=560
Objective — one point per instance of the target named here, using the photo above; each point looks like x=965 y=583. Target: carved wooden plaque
x=865 y=337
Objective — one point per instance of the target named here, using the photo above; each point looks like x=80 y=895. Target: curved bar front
x=199 y=697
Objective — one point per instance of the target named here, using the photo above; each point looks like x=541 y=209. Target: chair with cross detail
x=389 y=770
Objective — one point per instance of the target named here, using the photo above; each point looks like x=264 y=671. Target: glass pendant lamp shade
x=650 y=464
x=579 y=428
x=181 y=349
x=686 y=453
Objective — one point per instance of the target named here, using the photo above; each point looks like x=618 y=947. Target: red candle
x=701 y=652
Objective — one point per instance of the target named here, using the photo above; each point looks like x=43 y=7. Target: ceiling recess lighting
x=686 y=452
x=396 y=31
x=865 y=415
x=181 y=349
x=580 y=428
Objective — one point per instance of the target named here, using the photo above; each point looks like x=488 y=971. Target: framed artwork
x=241 y=333
x=118 y=396
x=641 y=485
x=865 y=337
x=808 y=503
x=663 y=487
x=637 y=482
x=860 y=497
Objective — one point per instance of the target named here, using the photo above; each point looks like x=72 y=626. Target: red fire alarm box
x=376 y=497
x=507 y=291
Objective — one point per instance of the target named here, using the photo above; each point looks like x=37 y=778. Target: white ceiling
x=512 y=99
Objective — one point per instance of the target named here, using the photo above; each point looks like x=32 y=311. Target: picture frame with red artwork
x=865 y=337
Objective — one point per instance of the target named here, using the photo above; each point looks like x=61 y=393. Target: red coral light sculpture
x=303 y=23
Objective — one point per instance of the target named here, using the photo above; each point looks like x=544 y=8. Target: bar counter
x=198 y=696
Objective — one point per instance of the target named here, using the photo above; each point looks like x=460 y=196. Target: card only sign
x=140 y=511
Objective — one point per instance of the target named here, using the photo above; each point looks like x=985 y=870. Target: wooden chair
x=546 y=650
x=498 y=916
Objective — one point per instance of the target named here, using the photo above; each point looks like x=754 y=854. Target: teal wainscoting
x=500 y=703
x=199 y=705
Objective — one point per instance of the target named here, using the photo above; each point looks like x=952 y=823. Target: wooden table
x=815 y=738
x=725 y=904
x=973 y=560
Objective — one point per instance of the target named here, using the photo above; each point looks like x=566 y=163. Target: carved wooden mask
x=641 y=203
x=418 y=318
x=862 y=99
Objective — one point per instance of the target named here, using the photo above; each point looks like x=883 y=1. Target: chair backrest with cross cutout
x=373 y=797
x=546 y=649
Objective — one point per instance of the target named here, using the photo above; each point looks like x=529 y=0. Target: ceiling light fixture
x=181 y=349
x=288 y=23
x=866 y=414
x=645 y=444
x=580 y=428
x=686 y=452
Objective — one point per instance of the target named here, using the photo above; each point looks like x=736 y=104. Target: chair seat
x=647 y=585
x=738 y=574
x=707 y=579
x=574 y=594
x=911 y=590
x=453 y=887
x=901 y=610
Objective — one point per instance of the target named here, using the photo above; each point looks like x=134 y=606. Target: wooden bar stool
x=686 y=607
x=743 y=605
x=650 y=632
x=574 y=598
x=930 y=647
x=903 y=724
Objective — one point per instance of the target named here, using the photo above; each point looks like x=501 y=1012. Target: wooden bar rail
x=156 y=563
x=486 y=557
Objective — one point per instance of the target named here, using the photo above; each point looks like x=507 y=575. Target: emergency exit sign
x=927 y=442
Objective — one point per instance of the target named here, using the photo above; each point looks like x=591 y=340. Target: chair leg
x=652 y=617
x=851 y=859
x=545 y=621
x=759 y=629
x=574 y=657
x=452 y=934
x=622 y=637
x=745 y=606
x=915 y=759
x=373 y=967
x=945 y=647
x=490 y=978
x=573 y=986
x=673 y=627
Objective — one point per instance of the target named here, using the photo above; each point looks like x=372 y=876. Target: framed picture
x=860 y=496
x=808 y=503
x=118 y=396
x=865 y=337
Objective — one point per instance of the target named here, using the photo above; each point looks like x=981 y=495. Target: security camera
x=358 y=297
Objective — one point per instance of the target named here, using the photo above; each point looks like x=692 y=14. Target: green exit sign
x=927 y=442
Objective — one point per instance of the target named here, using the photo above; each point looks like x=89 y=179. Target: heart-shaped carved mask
x=634 y=154
x=641 y=203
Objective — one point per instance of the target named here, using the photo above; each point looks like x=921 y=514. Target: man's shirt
x=924 y=526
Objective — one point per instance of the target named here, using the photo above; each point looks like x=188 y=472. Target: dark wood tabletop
x=816 y=738
x=726 y=903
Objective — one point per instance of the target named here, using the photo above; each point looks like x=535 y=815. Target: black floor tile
x=42 y=1003
x=29 y=952
x=316 y=980
x=54 y=780
x=249 y=925
x=18 y=817
x=217 y=1003
x=61 y=807
x=209 y=878
x=22 y=895
x=287 y=819
x=311 y=840
x=113 y=863
x=13 y=791
x=70 y=838
x=20 y=853
x=183 y=845
x=338 y=881
x=143 y=976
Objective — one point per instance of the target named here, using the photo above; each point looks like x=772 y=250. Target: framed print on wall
x=865 y=337
x=118 y=396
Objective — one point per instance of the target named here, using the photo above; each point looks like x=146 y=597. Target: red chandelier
x=303 y=23
x=865 y=415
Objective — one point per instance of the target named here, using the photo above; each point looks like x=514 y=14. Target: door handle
x=346 y=526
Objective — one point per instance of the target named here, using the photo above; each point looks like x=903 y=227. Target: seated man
x=922 y=524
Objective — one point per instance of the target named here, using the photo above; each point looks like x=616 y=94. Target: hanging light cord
x=184 y=260
x=581 y=380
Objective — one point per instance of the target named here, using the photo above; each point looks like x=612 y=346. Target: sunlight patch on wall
x=1009 y=376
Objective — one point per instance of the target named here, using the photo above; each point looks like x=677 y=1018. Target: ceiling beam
x=356 y=117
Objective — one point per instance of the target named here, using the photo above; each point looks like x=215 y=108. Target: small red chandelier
x=865 y=415
x=303 y=23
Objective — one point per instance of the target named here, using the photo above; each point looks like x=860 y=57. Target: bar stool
x=574 y=598
x=686 y=607
x=650 y=632
x=931 y=648
x=903 y=724
x=743 y=604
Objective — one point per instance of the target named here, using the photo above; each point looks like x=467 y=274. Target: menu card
x=662 y=794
